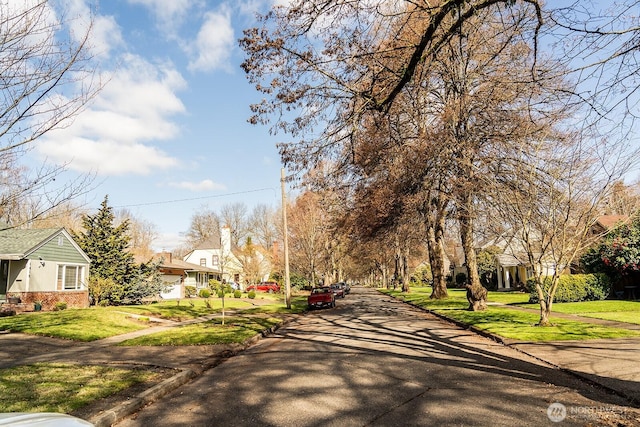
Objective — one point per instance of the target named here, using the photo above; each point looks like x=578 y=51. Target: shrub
x=102 y=291
x=214 y=285
x=575 y=288
x=204 y=293
x=251 y=294
x=297 y=281
x=189 y=291
x=61 y=305
x=237 y=293
x=461 y=279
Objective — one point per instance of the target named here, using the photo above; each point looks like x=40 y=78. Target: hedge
x=575 y=288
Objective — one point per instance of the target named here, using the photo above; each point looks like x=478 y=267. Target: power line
x=164 y=202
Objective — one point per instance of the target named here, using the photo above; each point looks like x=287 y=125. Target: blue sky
x=170 y=124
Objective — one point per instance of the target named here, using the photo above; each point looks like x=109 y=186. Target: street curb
x=119 y=412
x=633 y=400
x=112 y=416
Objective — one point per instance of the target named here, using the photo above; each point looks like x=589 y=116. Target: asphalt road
x=374 y=361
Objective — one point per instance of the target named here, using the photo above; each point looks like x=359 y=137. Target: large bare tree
x=205 y=224
x=305 y=219
x=341 y=65
x=263 y=225
x=234 y=216
x=47 y=78
x=141 y=233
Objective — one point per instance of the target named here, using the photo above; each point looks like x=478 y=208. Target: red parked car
x=321 y=297
x=338 y=290
x=270 y=287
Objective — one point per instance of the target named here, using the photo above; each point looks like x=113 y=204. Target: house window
x=60 y=240
x=70 y=277
x=215 y=260
x=203 y=262
x=201 y=280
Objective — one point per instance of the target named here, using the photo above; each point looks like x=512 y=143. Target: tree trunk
x=545 y=312
x=476 y=293
x=436 y=249
x=405 y=272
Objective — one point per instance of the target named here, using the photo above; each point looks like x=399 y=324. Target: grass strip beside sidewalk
x=235 y=330
x=511 y=323
x=63 y=387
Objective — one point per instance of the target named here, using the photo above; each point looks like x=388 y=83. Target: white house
x=216 y=253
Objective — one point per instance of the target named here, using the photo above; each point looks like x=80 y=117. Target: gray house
x=42 y=265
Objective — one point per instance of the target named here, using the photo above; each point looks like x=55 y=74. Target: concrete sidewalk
x=613 y=364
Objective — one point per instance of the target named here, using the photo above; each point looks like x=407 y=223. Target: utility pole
x=287 y=281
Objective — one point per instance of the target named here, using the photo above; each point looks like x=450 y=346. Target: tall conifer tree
x=107 y=245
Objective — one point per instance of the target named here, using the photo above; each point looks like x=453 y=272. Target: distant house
x=216 y=253
x=43 y=265
x=606 y=223
x=514 y=268
x=177 y=274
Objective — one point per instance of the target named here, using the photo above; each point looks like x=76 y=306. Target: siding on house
x=34 y=258
x=18 y=275
x=60 y=249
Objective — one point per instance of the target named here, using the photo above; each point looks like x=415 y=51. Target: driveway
x=374 y=361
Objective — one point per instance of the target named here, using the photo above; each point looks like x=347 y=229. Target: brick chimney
x=165 y=255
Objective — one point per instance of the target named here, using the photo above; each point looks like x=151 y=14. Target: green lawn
x=58 y=387
x=298 y=305
x=519 y=325
x=185 y=309
x=79 y=324
x=235 y=330
x=618 y=311
x=516 y=324
x=74 y=324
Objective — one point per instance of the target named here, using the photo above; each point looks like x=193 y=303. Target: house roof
x=609 y=221
x=211 y=242
x=508 y=260
x=19 y=243
x=186 y=266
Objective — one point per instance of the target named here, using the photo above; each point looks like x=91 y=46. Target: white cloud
x=115 y=135
x=214 y=42
x=105 y=32
x=108 y=157
x=204 y=185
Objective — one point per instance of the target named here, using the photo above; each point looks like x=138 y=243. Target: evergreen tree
x=107 y=246
x=115 y=278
